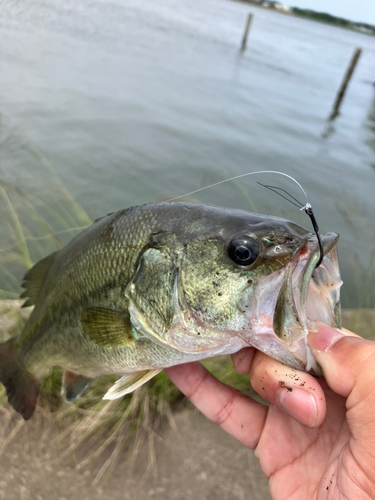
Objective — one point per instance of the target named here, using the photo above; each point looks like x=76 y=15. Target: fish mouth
x=306 y=295
x=319 y=287
x=309 y=293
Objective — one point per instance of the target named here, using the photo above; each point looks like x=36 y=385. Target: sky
x=355 y=10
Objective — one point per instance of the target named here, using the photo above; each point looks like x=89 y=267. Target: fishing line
x=240 y=177
x=275 y=189
x=307 y=208
x=38 y=238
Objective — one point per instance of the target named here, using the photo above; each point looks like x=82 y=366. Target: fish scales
x=93 y=269
x=165 y=283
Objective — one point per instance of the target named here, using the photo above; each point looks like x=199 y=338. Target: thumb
x=347 y=360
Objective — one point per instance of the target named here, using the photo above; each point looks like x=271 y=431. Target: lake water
x=135 y=100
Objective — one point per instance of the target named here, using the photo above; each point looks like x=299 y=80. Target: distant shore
x=311 y=15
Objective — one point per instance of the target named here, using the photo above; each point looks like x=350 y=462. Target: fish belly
x=72 y=350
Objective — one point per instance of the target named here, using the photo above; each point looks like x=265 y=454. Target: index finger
x=234 y=412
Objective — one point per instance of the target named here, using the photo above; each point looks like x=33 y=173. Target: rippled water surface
x=133 y=101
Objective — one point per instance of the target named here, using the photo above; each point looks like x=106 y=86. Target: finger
x=296 y=393
x=242 y=360
x=345 y=358
x=234 y=412
x=348 y=364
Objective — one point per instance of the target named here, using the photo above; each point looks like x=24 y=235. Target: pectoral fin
x=129 y=383
x=107 y=327
x=75 y=384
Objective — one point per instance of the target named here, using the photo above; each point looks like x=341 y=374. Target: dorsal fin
x=107 y=327
x=103 y=217
x=34 y=279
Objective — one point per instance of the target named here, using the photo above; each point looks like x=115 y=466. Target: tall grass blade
x=21 y=242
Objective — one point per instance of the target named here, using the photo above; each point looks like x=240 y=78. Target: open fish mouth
x=306 y=294
x=309 y=294
x=319 y=287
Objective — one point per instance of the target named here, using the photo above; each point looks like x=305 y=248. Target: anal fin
x=75 y=384
x=128 y=383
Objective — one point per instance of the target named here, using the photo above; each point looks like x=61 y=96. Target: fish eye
x=243 y=250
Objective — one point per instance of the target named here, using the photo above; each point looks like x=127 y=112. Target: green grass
x=360 y=321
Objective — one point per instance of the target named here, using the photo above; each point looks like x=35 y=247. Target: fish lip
x=280 y=321
x=292 y=321
x=323 y=300
x=329 y=241
x=304 y=268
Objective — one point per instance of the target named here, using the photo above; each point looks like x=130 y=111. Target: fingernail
x=324 y=338
x=300 y=405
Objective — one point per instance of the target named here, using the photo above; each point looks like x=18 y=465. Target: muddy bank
x=193 y=460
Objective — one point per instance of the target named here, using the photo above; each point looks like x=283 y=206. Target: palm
x=296 y=458
x=331 y=453
x=301 y=463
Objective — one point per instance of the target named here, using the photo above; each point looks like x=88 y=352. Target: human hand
x=327 y=449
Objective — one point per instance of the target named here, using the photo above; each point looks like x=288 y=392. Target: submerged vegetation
x=36 y=219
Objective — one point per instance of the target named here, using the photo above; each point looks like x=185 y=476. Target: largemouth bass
x=167 y=283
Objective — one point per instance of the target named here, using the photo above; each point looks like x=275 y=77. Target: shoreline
x=292 y=14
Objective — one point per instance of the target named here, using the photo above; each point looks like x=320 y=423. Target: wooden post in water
x=345 y=83
x=247 y=29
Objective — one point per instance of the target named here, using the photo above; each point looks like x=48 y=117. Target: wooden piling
x=247 y=29
x=345 y=82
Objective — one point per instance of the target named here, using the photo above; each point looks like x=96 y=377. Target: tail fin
x=22 y=387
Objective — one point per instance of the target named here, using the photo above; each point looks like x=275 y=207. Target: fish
x=166 y=283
